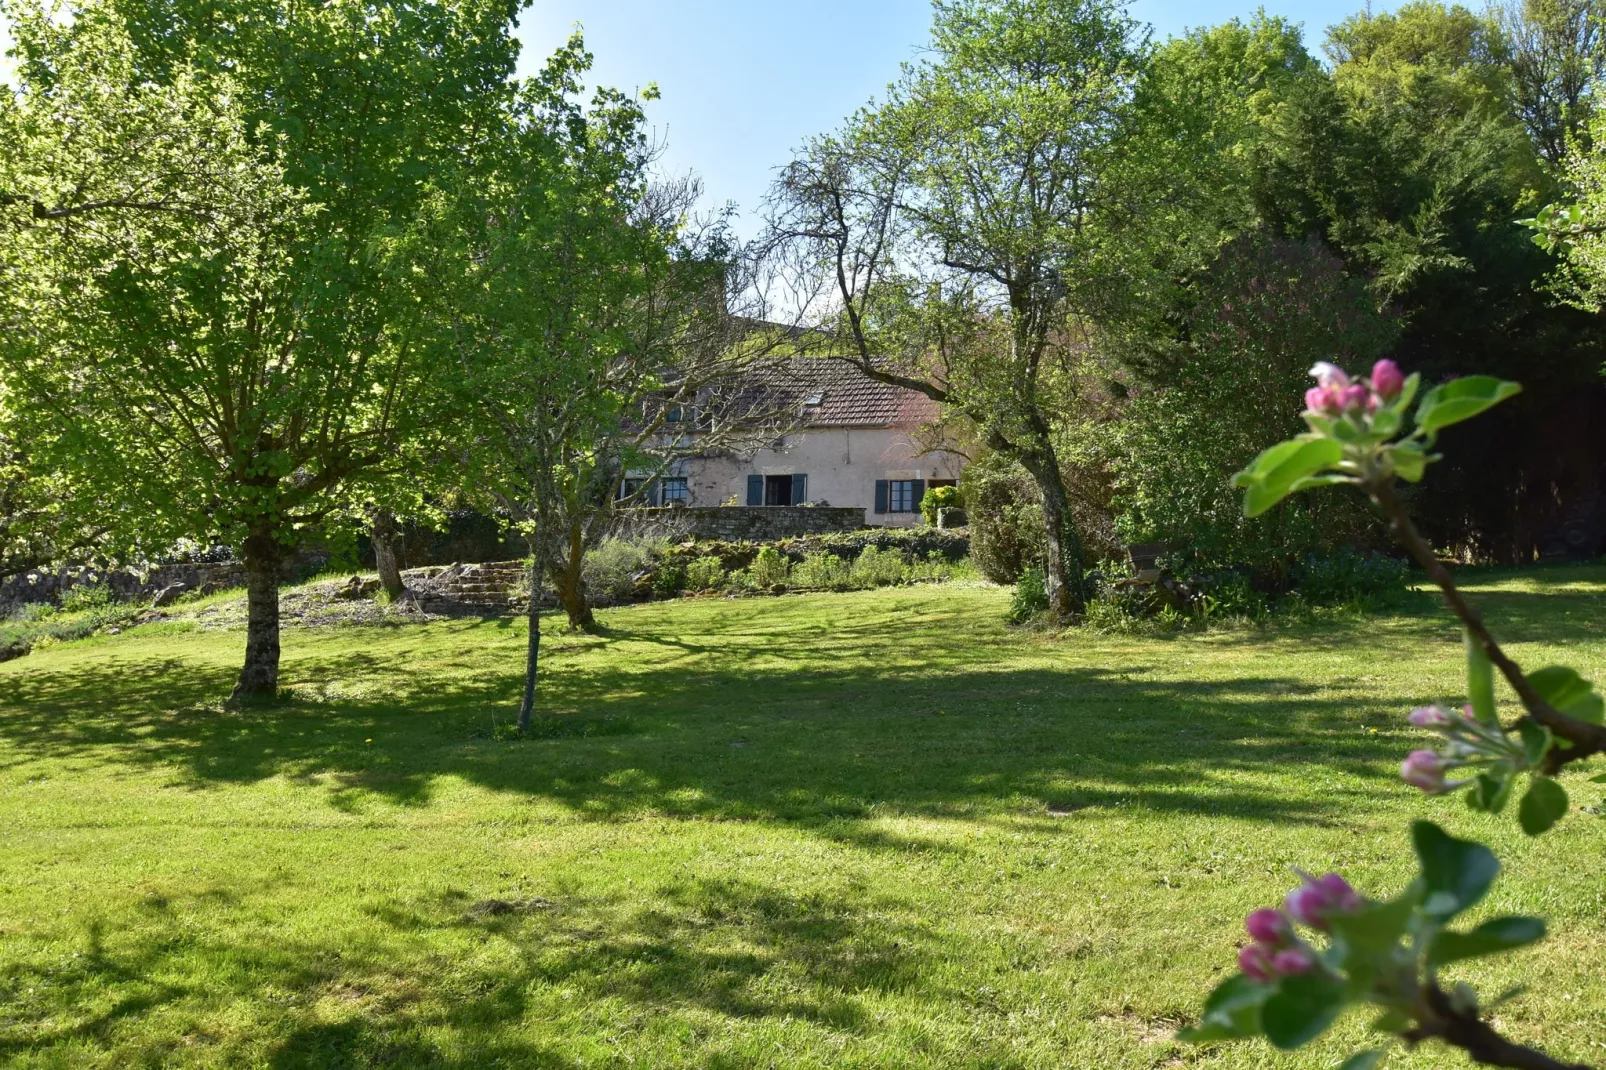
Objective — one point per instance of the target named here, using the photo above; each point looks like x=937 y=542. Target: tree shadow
x=726 y=736
x=732 y=947
x=767 y=713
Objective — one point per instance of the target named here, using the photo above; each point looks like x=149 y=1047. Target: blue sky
x=746 y=81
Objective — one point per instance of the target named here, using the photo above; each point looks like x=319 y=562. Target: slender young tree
x=583 y=326
x=201 y=218
x=948 y=240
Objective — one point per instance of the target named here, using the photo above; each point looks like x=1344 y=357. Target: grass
x=874 y=829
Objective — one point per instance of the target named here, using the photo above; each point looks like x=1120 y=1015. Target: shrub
x=1348 y=577
x=86 y=597
x=1031 y=597
x=938 y=498
x=1231 y=595
x=822 y=570
x=669 y=580
x=877 y=568
x=769 y=568
x=1006 y=520
x=611 y=571
x=705 y=574
x=934 y=569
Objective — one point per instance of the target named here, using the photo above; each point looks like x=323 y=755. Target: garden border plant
x=1330 y=947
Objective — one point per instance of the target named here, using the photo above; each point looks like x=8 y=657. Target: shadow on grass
x=730 y=947
x=732 y=735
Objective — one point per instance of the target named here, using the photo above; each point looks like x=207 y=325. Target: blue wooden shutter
x=755 y=490
x=800 y=489
x=918 y=493
x=882 y=494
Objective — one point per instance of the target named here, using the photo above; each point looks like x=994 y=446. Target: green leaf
x=1569 y=693
x=1490 y=938
x=1372 y=931
x=1409 y=460
x=1455 y=873
x=1536 y=741
x=1413 y=383
x=1490 y=791
x=1543 y=805
x=1231 y=1012
x=1461 y=399
x=1364 y=1060
x=1480 y=681
x=1301 y=1009
x=1277 y=473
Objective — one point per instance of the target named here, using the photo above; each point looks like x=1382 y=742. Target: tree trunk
x=532 y=655
x=384 y=539
x=259 y=678
x=1062 y=550
x=568 y=580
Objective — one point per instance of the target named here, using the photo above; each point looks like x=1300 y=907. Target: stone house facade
x=859 y=445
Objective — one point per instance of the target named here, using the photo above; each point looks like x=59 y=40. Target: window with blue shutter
x=882 y=493
x=918 y=493
x=902 y=496
x=800 y=489
x=755 y=490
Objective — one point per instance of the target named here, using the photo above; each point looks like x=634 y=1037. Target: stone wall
x=496 y=586
x=49 y=585
x=759 y=523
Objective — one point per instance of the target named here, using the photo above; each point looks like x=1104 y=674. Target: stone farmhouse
x=858 y=445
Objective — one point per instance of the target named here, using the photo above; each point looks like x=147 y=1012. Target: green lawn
x=877 y=829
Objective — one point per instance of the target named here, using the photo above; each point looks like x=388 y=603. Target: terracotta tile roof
x=849 y=398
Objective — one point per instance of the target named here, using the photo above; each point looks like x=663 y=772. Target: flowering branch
x=1462 y=1028
x=1290 y=987
x=1586 y=739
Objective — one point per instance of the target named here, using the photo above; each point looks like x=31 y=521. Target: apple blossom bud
x=1387 y=379
x=1431 y=717
x=1292 y=960
x=1321 y=399
x=1353 y=398
x=1269 y=926
x=1255 y=962
x=1342 y=898
x=1424 y=769
x=1329 y=374
x=1318 y=898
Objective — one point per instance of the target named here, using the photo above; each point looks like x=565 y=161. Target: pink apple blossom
x=1269 y=926
x=1431 y=717
x=1387 y=379
x=1424 y=769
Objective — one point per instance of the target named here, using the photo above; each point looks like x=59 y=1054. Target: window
x=777 y=490
x=898 y=495
x=675 y=491
x=902 y=493
x=630 y=487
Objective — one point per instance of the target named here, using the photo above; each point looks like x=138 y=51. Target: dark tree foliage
x=1411 y=160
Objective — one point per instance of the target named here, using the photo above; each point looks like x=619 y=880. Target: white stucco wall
x=842 y=465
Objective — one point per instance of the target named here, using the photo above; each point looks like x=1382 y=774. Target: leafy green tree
x=583 y=332
x=1251 y=328
x=201 y=222
x=1555 y=55
x=1410 y=163
x=951 y=239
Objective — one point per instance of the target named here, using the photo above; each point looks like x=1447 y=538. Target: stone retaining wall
x=129 y=585
x=755 y=523
x=495 y=585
